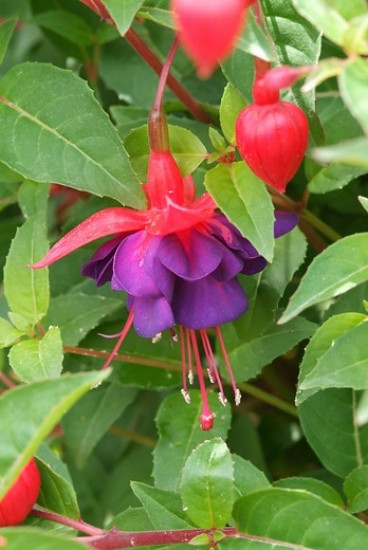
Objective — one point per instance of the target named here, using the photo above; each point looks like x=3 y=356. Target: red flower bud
x=208 y=29
x=19 y=500
x=271 y=134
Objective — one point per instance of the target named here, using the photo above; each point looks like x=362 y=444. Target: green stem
x=318 y=224
x=269 y=399
x=122 y=357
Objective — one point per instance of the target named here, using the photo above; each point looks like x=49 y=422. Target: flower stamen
x=190 y=362
x=184 y=390
x=212 y=365
x=207 y=416
x=121 y=339
x=237 y=394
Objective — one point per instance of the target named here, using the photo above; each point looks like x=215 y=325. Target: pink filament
x=207 y=415
x=121 y=339
x=236 y=391
x=212 y=363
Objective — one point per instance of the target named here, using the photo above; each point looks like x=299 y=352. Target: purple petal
x=129 y=273
x=99 y=267
x=190 y=254
x=208 y=302
x=230 y=265
x=254 y=265
x=152 y=315
x=163 y=278
x=284 y=222
x=228 y=234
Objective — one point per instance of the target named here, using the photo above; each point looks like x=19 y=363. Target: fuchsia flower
x=208 y=29
x=178 y=262
x=272 y=134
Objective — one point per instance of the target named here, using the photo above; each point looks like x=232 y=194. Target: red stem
x=78 y=525
x=152 y=60
x=115 y=540
x=6 y=381
x=164 y=75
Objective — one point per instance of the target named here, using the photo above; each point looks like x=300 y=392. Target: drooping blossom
x=272 y=134
x=19 y=500
x=208 y=29
x=178 y=262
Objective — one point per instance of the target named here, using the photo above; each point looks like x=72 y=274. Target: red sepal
x=106 y=222
x=175 y=218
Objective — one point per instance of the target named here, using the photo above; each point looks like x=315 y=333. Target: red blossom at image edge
x=17 y=503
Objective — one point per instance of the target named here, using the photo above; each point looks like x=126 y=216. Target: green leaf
x=329 y=422
x=249 y=358
x=92 y=416
x=239 y=71
x=247 y=477
x=354 y=152
x=187 y=149
x=264 y=292
x=298 y=44
x=324 y=17
x=57 y=493
x=164 y=509
x=180 y=433
x=148 y=371
x=321 y=343
x=123 y=13
x=36 y=408
x=244 y=199
x=20 y=538
x=339 y=126
x=62 y=125
x=254 y=40
x=8 y=333
x=345 y=363
x=298 y=518
x=356 y=489
x=353 y=84
x=326 y=68
x=311 y=485
x=33 y=198
x=67 y=25
x=207 y=484
x=217 y=139
x=34 y=359
x=161 y=16
x=364 y=202
x=27 y=290
x=350 y=10
x=6 y=31
x=77 y=314
x=144 y=364
x=132 y=519
x=340 y=267
x=355 y=38
x=232 y=103
x=333 y=177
